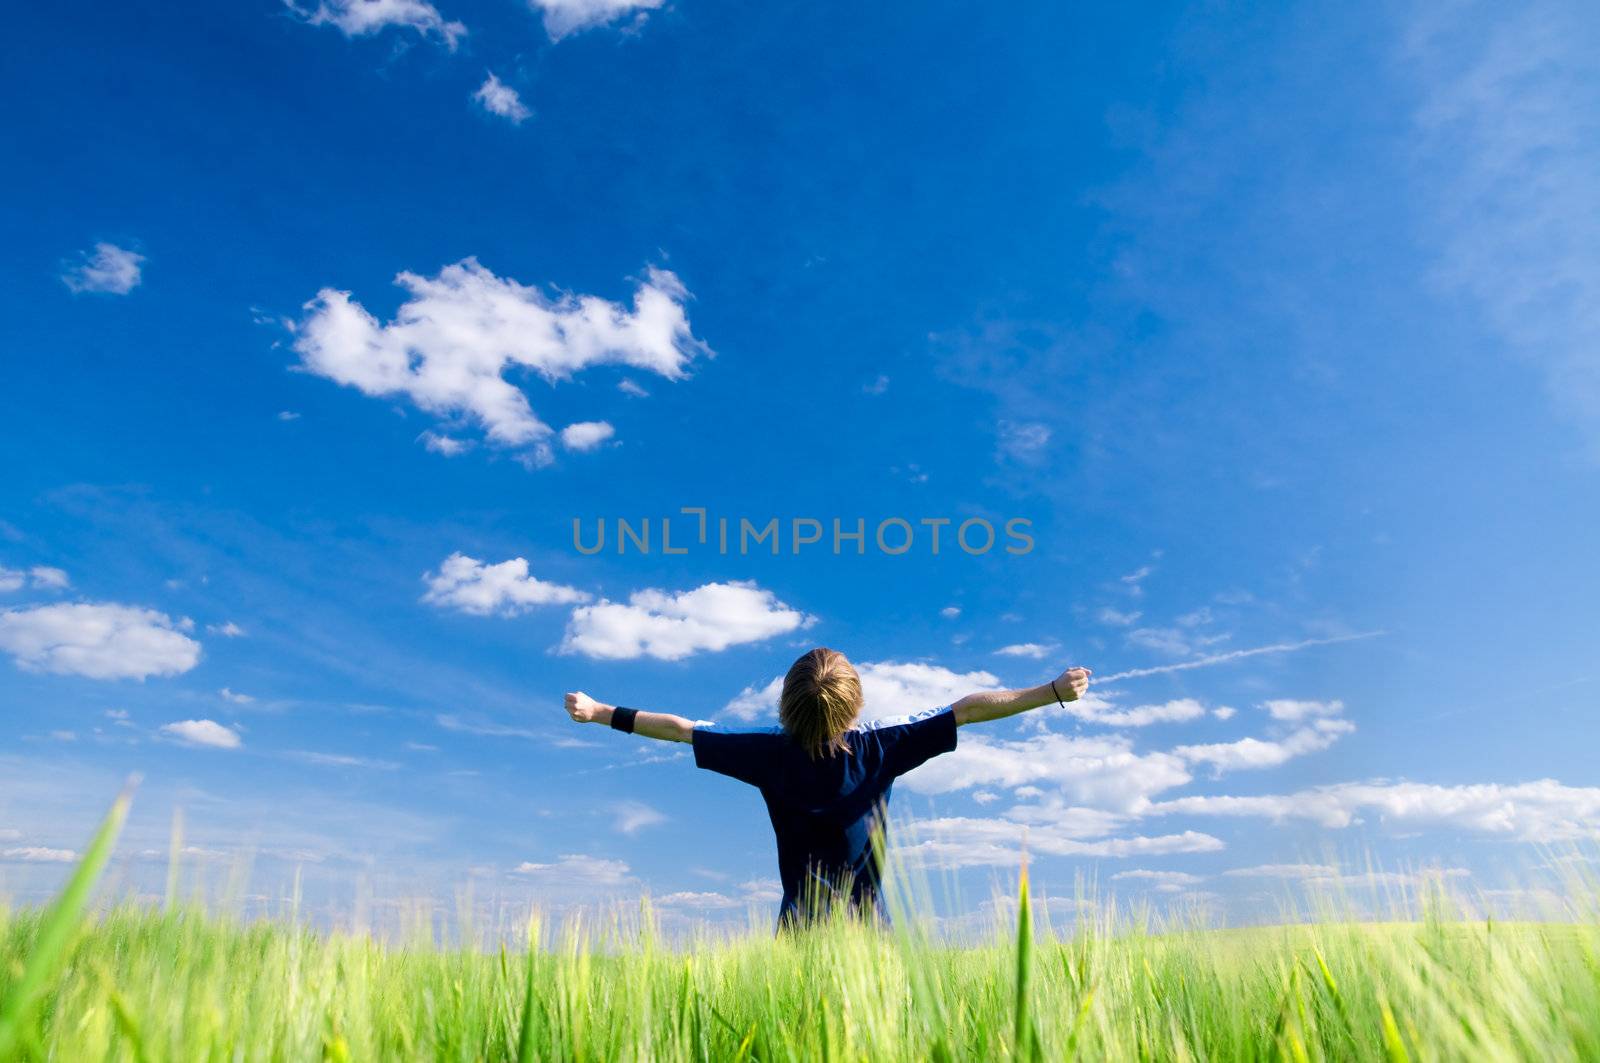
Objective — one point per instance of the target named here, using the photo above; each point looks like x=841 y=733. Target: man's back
x=825 y=778
x=826 y=808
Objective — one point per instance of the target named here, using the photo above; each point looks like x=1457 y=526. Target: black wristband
x=1057 y=693
x=622 y=719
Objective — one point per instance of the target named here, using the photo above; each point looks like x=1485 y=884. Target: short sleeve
x=909 y=741
x=744 y=755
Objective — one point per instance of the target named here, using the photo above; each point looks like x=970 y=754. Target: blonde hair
x=821 y=700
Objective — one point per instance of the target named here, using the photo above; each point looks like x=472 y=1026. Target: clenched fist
x=584 y=709
x=1070 y=685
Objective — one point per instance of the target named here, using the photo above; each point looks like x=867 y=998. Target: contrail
x=1220 y=658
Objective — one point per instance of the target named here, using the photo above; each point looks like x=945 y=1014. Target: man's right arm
x=998 y=704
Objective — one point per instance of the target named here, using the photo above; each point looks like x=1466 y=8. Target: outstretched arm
x=998 y=704
x=663 y=725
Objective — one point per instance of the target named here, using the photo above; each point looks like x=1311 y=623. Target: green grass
x=138 y=984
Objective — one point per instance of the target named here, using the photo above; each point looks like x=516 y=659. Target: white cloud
x=47 y=578
x=35 y=854
x=110 y=268
x=1117 y=617
x=761 y=889
x=359 y=18
x=753 y=703
x=1387 y=879
x=1036 y=650
x=895 y=688
x=288 y=415
x=955 y=843
x=1134 y=581
x=563 y=17
x=630 y=817
x=1253 y=753
x=1295 y=711
x=237 y=699
x=576 y=870
x=98 y=640
x=1283 y=871
x=447 y=446
x=753 y=891
x=11 y=579
x=889 y=688
x=1542 y=811
x=452 y=342
x=202 y=733
x=670 y=627
x=701 y=900
x=1224 y=712
x=630 y=388
x=228 y=630
x=1102 y=771
x=877 y=385
x=470 y=586
x=341 y=760
x=1098 y=709
x=950 y=612
x=1163 y=881
x=497 y=97
x=586 y=435
x=1023 y=441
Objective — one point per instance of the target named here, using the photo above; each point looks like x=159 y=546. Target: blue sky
x=324 y=323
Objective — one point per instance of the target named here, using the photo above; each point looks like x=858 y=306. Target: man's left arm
x=659 y=725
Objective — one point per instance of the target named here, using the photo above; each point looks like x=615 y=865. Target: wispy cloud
x=1543 y=811
x=476 y=725
x=631 y=817
x=564 y=17
x=39 y=577
x=1236 y=655
x=1507 y=157
x=340 y=760
x=1035 y=650
x=1162 y=881
x=108 y=268
x=496 y=97
x=577 y=871
x=37 y=854
x=202 y=733
x=360 y=18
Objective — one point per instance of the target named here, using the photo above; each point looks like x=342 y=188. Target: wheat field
x=139 y=983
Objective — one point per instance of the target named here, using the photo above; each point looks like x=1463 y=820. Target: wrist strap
x=1053 y=690
x=622 y=719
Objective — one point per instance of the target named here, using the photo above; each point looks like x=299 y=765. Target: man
x=824 y=775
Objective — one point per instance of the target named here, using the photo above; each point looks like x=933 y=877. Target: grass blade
x=57 y=926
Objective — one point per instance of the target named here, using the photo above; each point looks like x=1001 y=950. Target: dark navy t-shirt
x=824 y=810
